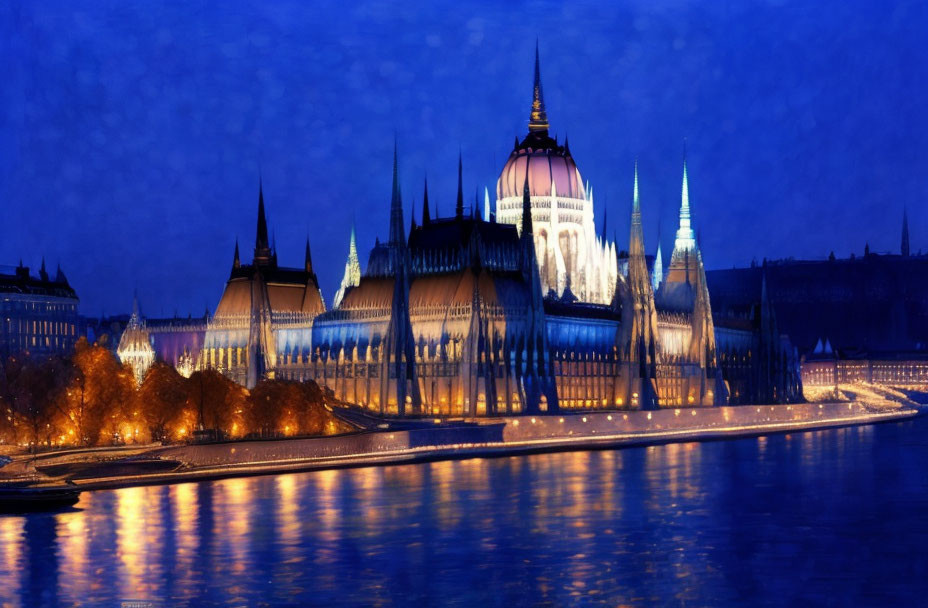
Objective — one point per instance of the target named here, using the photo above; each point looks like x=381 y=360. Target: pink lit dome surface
x=546 y=163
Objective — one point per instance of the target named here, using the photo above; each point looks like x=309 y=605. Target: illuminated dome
x=568 y=251
x=547 y=163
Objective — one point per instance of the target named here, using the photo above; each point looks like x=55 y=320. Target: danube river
x=833 y=517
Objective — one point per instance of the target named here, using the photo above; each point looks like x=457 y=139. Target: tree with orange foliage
x=161 y=399
x=99 y=394
x=33 y=387
x=217 y=401
x=284 y=407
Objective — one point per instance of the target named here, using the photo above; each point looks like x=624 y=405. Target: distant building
x=861 y=318
x=38 y=313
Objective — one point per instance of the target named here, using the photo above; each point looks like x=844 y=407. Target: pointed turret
x=352 y=276
x=136 y=312
x=538 y=117
x=43 y=274
x=397 y=237
x=59 y=275
x=486 y=204
x=459 y=206
x=426 y=214
x=686 y=239
x=636 y=239
x=657 y=275
x=262 y=245
x=308 y=260
x=236 y=260
x=639 y=315
x=605 y=213
x=526 y=209
x=905 y=232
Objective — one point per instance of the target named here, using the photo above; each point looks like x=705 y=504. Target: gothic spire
x=459 y=206
x=136 y=313
x=905 y=232
x=262 y=248
x=426 y=216
x=352 y=276
x=686 y=239
x=636 y=240
x=605 y=214
x=538 y=117
x=526 y=209
x=486 y=203
x=308 y=260
x=236 y=261
x=396 y=205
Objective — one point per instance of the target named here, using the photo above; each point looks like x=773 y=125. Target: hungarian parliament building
x=522 y=308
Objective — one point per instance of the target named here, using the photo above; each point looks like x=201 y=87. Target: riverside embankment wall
x=525 y=428
x=499 y=432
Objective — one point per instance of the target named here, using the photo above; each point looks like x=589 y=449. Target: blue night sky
x=131 y=133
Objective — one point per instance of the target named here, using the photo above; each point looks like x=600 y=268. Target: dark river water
x=835 y=518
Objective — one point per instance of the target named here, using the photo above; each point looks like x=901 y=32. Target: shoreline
x=490 y=439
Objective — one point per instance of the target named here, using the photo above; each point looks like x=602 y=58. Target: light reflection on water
x=827 y=517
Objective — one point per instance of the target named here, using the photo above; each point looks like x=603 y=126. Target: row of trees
x=89 y=398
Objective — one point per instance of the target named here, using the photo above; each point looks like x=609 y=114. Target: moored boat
x=19 y=498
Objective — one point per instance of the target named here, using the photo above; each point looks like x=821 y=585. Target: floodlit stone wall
x=498 y=432
x=526 y=428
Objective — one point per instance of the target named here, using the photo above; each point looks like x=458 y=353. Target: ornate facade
x=525 y=310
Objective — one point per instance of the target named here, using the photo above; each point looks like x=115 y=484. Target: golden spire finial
x=538 y=118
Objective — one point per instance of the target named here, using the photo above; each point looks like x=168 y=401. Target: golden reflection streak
x=287 y=511
x=11 y=556
x=133 y=539
x=329 y=532
x=443 y=508
x=186 y=509
x=370 y=484
x=232 y=508
x=72 y=537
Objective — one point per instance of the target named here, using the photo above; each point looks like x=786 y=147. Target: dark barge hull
x=26 y=499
